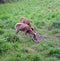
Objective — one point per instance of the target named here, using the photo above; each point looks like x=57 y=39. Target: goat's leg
x=25 y=32
x=17 y=31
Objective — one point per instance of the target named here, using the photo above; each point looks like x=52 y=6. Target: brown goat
x=25 y=28
x=26 y=21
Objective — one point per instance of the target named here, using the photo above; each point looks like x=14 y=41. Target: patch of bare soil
x=38 y=38
x=42 y=37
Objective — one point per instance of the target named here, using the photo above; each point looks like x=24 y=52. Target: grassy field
x=44 y=16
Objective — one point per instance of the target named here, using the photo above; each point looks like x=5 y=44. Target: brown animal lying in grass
x=26 y=21
x=25 y=28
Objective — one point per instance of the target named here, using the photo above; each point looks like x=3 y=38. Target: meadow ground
x=44 y=16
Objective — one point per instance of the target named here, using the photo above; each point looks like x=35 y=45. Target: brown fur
x=26 y=21
x=25 y=28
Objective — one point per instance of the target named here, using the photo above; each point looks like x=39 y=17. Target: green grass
x=44 y=16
